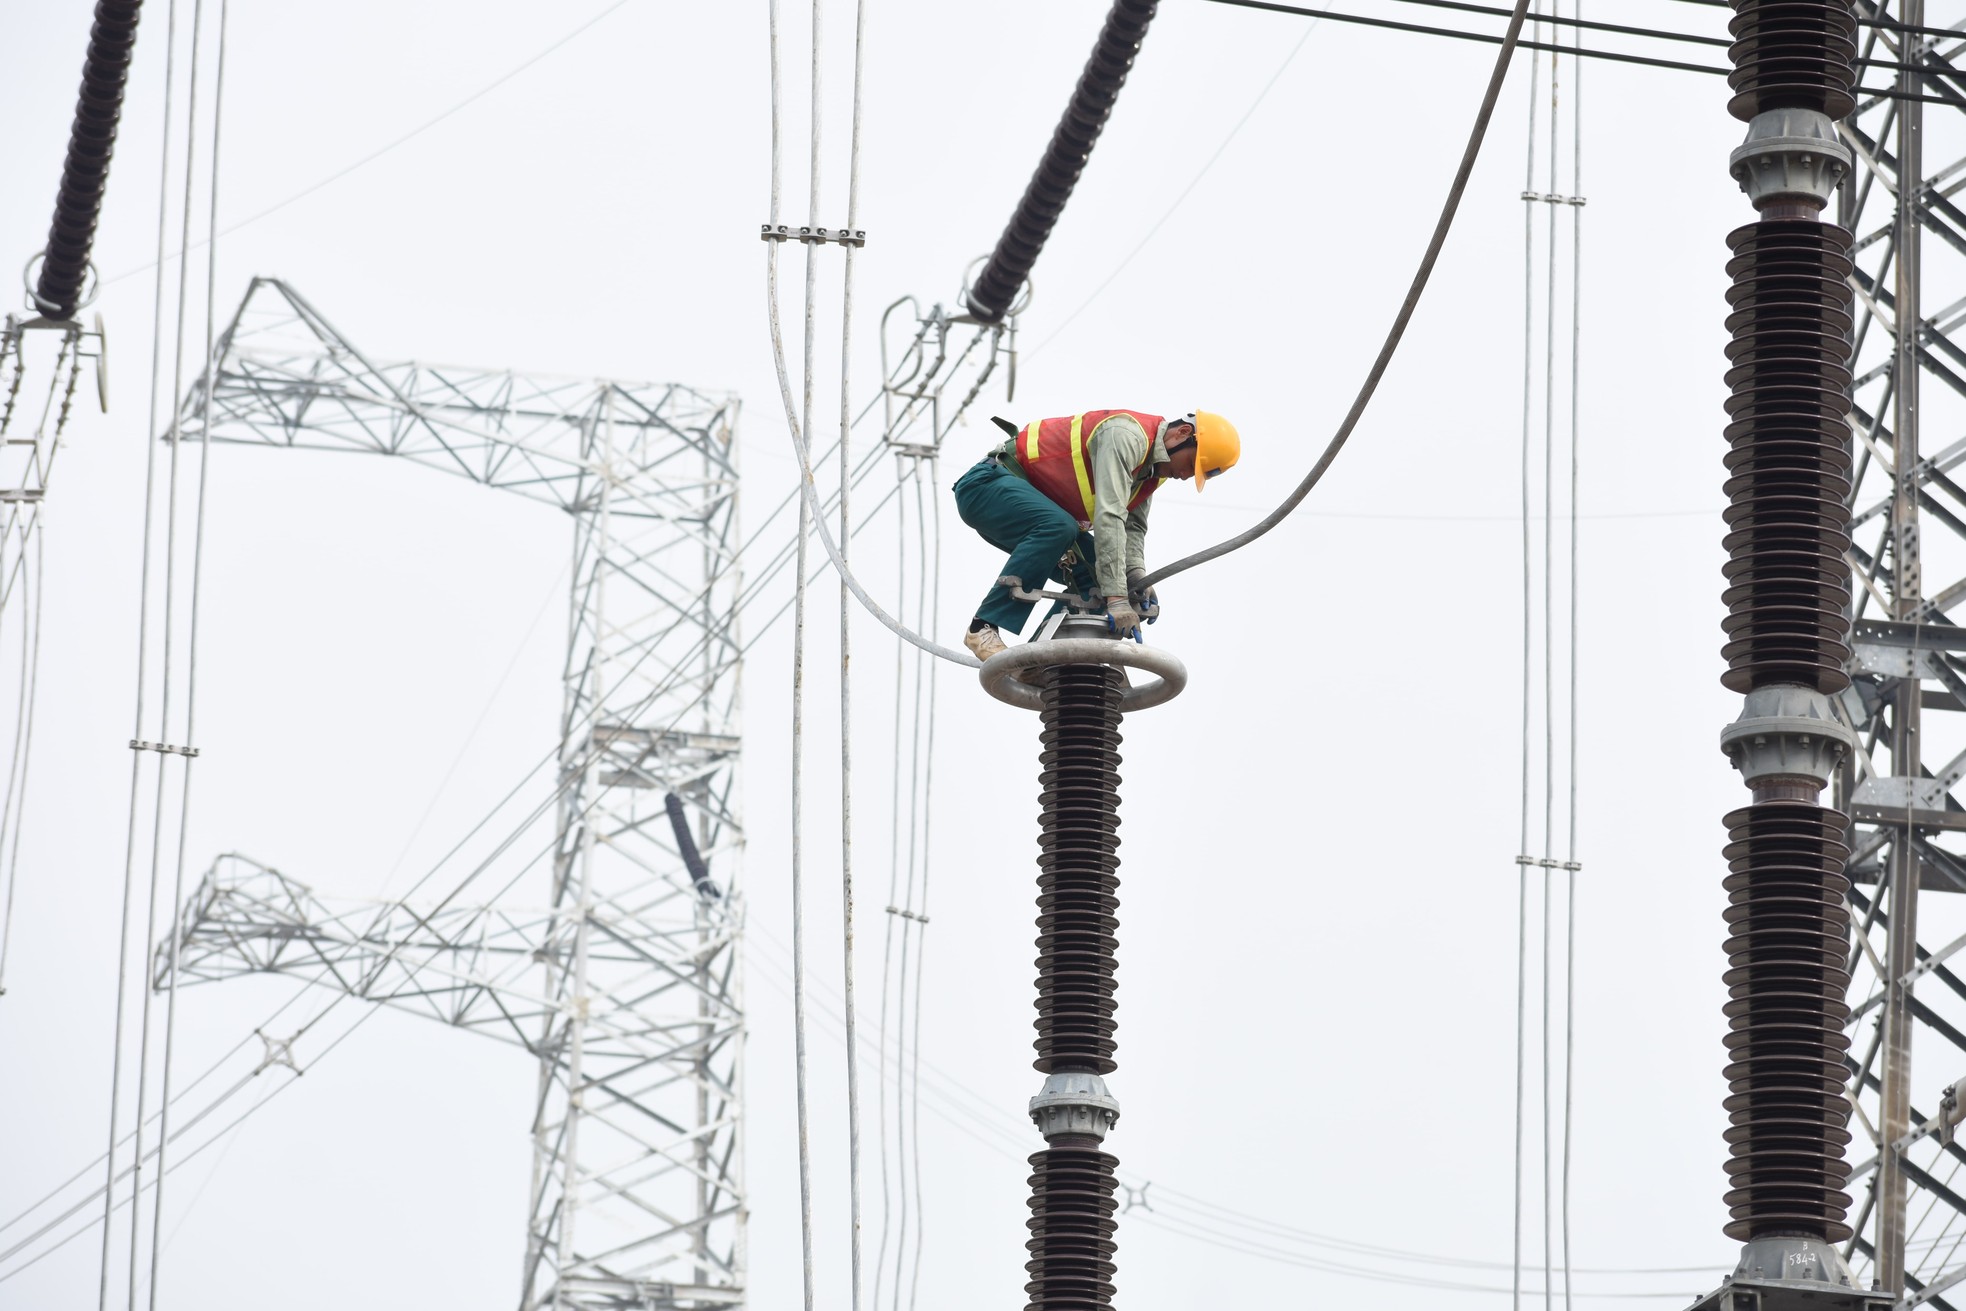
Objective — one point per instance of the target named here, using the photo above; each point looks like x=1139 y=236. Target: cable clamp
x=811 y=235
x=917 y=916
x=1546 y=862
x=1552 y=198
x=138 y=744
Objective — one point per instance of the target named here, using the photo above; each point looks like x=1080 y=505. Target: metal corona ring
x=1000 y=673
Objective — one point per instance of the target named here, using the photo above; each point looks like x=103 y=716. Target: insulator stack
x=1787 y=626
x=1072 y=1242
x=1786 y=984
x=1078 y=869
x=1788 y=459
x=85 y=172
x=1792 y=54
x=1072 y=1226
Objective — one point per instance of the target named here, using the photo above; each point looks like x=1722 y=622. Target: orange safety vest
x=1054 y=458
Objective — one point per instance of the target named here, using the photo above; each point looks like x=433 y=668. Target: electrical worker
x=1068 y=498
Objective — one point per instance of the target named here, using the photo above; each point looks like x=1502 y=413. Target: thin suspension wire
x=13 y=818
x=846 y=615
x=1549 y=648
x=143 y=651
x=1528 y=624
x=927 y=814
x=167 y=646
x=893 y=886
x=191 y=652
x=807 y=518
x=907 y=1121
x=136 y=757
x=1570 y=859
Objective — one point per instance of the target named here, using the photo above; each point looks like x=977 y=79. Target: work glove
x=1143 y=598
x=1122 y=618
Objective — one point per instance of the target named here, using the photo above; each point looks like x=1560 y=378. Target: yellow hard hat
x=1217 y=446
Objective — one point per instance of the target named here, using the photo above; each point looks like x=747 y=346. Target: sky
x=1320 y=902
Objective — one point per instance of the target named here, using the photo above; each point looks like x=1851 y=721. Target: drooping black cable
x=85 y=172
x=1442 y=226
x=1064 y=159
x=699 y=870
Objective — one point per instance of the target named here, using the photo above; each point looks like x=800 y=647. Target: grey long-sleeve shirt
x=1119 y=535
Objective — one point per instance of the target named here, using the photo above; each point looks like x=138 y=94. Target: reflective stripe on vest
x=1078 y=465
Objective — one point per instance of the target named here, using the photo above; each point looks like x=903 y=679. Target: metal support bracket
x=810 y=235
x=165 y=748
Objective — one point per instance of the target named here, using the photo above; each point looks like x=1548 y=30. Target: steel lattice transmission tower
x=625 y=984
x=1908 y=663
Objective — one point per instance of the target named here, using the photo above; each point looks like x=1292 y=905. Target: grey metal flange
x=1001 y=673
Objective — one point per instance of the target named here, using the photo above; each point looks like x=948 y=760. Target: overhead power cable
x=402 y=140
x=1883 y=93
x=1064 y=159
x=1442 y=226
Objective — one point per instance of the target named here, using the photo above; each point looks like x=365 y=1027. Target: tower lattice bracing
x=1907 y=701
x=619 y=973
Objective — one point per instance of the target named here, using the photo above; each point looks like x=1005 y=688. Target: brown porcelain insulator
x=1788 y=458
x=1078 y=869
x=1792 y=54
x=1072 y=1228
x=1786 y=978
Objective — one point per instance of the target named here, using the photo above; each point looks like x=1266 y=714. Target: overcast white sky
x=1319 y=909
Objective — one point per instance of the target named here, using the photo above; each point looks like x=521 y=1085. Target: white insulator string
x=191 y=641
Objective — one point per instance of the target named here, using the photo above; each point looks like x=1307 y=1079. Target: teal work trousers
x=1016 y=517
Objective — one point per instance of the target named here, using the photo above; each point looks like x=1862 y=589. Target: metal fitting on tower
x=1781 y=1272
x=1074 y=1102
x=1787 y=733
x=1791 y=156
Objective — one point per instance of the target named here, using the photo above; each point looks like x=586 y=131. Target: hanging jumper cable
x=1451 y=207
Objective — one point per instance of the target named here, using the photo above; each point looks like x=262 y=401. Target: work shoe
x=984 y=641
